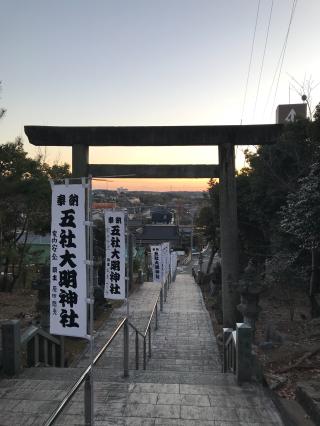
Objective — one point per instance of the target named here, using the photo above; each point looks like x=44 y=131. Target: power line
x=281 y=59
x=250 y=61
x=294 y=5
x=262 y=63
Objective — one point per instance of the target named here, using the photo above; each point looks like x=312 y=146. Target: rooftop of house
x=160 y=232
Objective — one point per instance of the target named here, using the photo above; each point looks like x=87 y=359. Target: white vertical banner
x=115 y=277
x=156 y=259
x=165 y=259
x=174 y=258
x=68 y=271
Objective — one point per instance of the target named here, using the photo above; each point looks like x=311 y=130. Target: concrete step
x=183 y=383
x=68 y=375
x=145 y=398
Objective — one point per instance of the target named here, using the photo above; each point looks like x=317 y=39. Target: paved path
x=183 y=384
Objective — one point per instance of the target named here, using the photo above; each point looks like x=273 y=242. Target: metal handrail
x=123 y=323
x=146 y=331
x=162 y=296
x=83 y=376
x=232 y=337
x=31 y=332
x=151 y=316
x=135 y=329
x=35 y=333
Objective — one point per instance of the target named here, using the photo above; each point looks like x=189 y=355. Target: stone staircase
x=183 y=383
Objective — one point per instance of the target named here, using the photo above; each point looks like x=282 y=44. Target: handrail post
x=137 y=351
x=62 y=351
x=243 y=352
x=161 y=300
x=165 y=290
x=11 y=356
x=150 y=341
x=144 y=353
x=88 y=379
x=36 y=350
x=53 y=355
x=126 y=349
x=226 y=333
x=87 y=400
x=156 y=316
x=45 y=351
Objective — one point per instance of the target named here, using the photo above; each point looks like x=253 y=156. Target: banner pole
x=126 y=327
x=128 y=265
x=91 y=294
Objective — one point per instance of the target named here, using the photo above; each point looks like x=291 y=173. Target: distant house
x=38 y=249
x=122 y=190
x=156 y=234
x=99 y=208
x=161 y=214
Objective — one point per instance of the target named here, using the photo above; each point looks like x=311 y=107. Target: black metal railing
x=42 y=349
x=147 y=333
x=86 y=376
x=229 y=350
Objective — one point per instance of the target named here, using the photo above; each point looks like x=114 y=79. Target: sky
x=152 y=62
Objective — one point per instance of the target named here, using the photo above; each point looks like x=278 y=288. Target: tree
x=2 y=110
x=273 y=172
x=25 y=199
x=301 y=218
x=208 y=219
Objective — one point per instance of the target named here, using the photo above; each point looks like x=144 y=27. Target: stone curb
x=309 y=398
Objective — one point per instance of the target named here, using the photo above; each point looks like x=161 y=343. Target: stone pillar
x=244 y=356
x=225 y=336
x=11 y=343
x=228 y=233
x=80 y=160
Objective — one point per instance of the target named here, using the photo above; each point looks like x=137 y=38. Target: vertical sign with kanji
x=173 y=262
x=115 y=280
x=68 y=275
x=156 y=258
x=165 y=259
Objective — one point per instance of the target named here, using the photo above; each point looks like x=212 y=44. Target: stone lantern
x=43 y=305
x=251 y=285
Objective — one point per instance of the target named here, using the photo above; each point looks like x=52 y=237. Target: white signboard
x=156 y=258
x=68 y=275
x=115 y=280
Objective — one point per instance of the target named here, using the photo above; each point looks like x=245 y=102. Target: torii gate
x=226 y=137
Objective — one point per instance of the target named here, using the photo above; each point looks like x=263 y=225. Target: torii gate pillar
x=80 y=160
x=228 y=233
